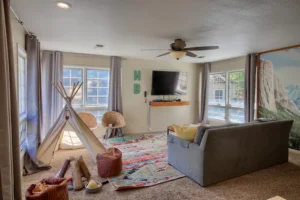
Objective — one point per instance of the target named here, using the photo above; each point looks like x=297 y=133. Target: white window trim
x=227 y=106
x=22 y=116
x=22 y=53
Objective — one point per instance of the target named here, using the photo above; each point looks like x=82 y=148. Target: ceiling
x=127 y=26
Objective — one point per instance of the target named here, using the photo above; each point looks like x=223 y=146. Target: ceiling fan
x=178 y=50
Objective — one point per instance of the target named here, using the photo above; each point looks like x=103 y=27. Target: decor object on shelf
x=48 y=189
x=68 y=115
x=113 y=120
x=109 y=163
x=279 y=88
x=228 y=149
x=178 y=50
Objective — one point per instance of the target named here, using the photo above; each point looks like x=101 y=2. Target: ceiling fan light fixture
x=63 y=5
x=178 y=54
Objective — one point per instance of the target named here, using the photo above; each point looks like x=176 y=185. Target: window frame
x=227 y=105
x=22 y=116
x=84 y=69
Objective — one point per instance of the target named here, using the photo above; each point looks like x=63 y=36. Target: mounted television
x=169 y=83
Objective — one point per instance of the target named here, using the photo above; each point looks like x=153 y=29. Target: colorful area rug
x=144 y=161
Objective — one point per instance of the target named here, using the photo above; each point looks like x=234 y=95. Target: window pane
x=236 y=115
x=217 y=85
x=103 y=83
x=92 y=100
x=75 y=80
x=67 y=72
x=66 y=82
x=71 y=77
x=91 y=73
x=103 y=91
x=92 y=92
x=103 y=74
x=236 y=88
x=216 y=113
x=22 y=131
x=92 y=83
x=102 y=100
x=76 y=73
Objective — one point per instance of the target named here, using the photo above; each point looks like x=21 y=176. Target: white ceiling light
x=63 y=5
x=178 y=54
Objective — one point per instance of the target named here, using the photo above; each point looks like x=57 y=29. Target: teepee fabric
x=68 y=115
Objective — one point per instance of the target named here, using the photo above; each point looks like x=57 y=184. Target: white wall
x=134 y=106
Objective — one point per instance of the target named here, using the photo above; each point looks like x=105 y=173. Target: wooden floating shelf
x=169 y=103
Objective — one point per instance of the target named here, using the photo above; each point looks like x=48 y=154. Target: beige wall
x=228 y=65
x=134 y=106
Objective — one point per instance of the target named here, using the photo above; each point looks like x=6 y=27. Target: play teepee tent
x=68 y=115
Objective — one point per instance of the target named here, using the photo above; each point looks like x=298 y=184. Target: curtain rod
x=21 y=22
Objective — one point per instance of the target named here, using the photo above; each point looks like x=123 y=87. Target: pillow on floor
x=185 y=132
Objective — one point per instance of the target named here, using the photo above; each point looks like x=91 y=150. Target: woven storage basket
x=109 y=163
x=57 y=190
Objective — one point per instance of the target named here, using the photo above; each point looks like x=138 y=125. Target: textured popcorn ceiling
x=126 y=26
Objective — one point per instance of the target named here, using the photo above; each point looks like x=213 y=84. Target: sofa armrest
x=176 y=140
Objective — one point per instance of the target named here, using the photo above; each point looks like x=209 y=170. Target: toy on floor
x=93 y=187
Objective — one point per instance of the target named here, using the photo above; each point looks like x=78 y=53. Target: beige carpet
x=282 y=180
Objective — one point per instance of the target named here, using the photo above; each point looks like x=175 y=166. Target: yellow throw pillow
x=185 y=132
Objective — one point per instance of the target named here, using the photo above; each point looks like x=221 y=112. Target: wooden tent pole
x=74 y=88
x=63 y=89
x=58 y=90
x=77 y=89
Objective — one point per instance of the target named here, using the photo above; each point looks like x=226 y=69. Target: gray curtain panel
x=203 y=118
x=10 y=173
x=34 y=105
x=115 y=93
x=52 y=70
x=250 y=84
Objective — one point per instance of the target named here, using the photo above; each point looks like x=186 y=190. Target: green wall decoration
x=136 y=88
x=137 y=75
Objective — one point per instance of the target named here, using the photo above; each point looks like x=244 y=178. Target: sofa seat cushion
x=185 y=132
x=201 y=130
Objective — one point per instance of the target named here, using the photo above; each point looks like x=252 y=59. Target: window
x=226 y=96
x=22 y=91
x=93 y=95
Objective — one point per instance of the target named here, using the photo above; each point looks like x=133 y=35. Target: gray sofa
x=224 y=152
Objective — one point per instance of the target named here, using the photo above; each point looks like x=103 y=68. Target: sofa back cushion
x=201 y=130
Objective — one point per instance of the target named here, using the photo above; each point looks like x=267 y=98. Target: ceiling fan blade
x=163 y=54
x=190 y=54
x=154 y=49
x=201 y=48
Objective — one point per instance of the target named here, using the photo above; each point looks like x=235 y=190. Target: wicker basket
x=57 y=190
x=109 y=163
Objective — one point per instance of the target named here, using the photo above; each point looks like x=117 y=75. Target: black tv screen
x=169 y=83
